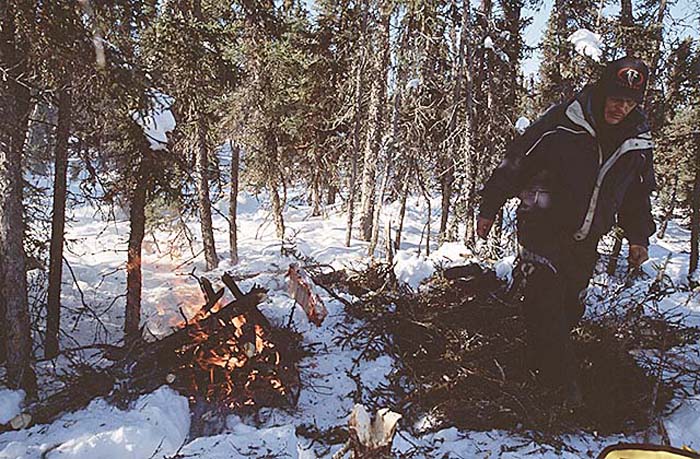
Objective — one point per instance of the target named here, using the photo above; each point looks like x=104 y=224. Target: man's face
x=616 y=109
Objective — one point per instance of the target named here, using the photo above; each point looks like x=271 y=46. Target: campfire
x=237 y=365
x=226 y=358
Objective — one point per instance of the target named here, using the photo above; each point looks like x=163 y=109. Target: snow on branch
x=587 y=44
x=157 y=121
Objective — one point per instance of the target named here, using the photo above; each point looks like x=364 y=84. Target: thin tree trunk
x=655 y=110
x=137 y=222
x=276 y=209
x=446 y=182
x=427 y=226
x=467 y=141
x=376 y=123
x=204 y=201
x=470 y=211
x=497 y=232
x=402 y=210
x=58 y=223
x=233 y=203
x=378 y=208
x=316 y=196
x=14 y=113
x=626 y=22
x=331 y=194
x=357 y=128
x=426 y=195
x=670 y=208
x=615 y=254
x=3 y=311
x=388 y=245
x=695 y=218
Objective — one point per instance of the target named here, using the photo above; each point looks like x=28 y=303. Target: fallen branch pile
x=460 y=344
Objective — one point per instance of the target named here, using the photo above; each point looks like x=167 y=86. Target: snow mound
x=587 y=44
x=155 y=428
x=412 y=268
x=10 y=403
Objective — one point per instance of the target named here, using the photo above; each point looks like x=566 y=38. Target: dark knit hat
x=625 y=78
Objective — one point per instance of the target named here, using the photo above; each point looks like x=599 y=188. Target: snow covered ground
x=157 y=425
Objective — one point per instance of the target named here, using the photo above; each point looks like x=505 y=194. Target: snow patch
x=522 y=124
x=245 y=441
x=587 y=44
x=488 y=42
x=451 y=251
x=683 y=426
x=504 y=268
x=694 y=277
x=10 y=404
x=413 y=83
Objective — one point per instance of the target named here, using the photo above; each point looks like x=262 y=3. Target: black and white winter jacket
x=572 y=183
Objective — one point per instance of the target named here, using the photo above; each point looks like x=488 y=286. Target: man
x=581 y=165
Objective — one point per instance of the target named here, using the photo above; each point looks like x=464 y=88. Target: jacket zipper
x=603 y=169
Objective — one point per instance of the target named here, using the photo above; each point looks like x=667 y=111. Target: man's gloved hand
x=483 y=226
x=638 y=255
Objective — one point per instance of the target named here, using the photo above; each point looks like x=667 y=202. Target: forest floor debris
x=459 y=339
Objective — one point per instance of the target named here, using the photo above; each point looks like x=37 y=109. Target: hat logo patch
x=632 y=78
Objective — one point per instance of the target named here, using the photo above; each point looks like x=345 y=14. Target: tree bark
x=376 y=122
x=446 y=182
x=212 y=261
x=670 y=208
x=402 y=210
x=276 y=210
x=316 y=196
x=378 y=208
x=448 y=176
x=626 y=23
x=14 y=113
x=58 y=222
x=137 y=221
x=467 y=140
x=331 y=193
x=695 y=218
x=615 y=254
x=233 y=203
x=357 y=129
x=653 y=95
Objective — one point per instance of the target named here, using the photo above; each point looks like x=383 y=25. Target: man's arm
x=634 y=215
x=523 y=159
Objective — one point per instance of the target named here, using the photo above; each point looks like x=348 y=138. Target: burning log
x=225 y=355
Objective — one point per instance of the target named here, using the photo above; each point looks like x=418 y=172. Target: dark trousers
x=551 y=287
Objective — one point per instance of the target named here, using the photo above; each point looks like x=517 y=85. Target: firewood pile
x=460 y=345
x=228 y=357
